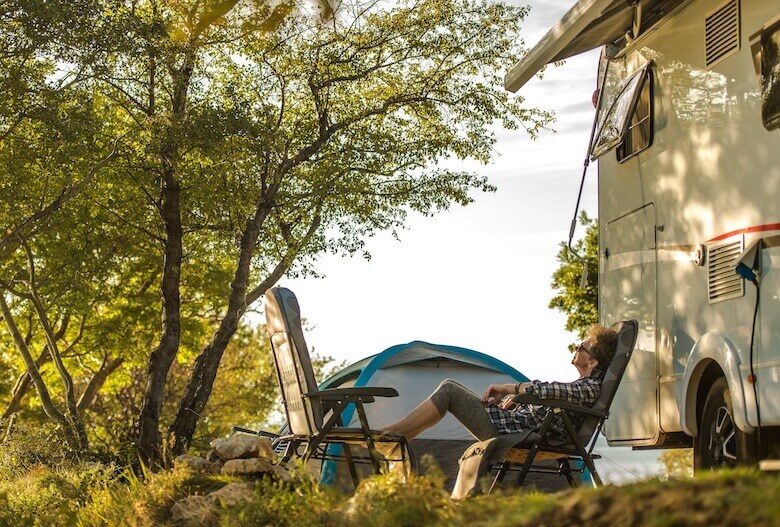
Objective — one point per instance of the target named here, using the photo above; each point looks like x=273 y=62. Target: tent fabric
x=415 y=370
x=587 y=25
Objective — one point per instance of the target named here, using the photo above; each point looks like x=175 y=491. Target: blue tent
x=415 y=369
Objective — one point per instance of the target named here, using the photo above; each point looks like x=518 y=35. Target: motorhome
x=687 y=138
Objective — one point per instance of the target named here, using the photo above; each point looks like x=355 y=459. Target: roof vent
x=723 y=283
x=721 y=32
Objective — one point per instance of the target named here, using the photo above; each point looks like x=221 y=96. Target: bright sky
x=476 y=276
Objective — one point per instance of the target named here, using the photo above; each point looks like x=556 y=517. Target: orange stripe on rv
x=746 y=230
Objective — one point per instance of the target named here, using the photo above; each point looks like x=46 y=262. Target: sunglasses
x=584 y=346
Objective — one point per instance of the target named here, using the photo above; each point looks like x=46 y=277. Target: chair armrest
x=353 y=393
x=524 y=398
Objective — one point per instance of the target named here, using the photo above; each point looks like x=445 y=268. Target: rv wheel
x=720 y=443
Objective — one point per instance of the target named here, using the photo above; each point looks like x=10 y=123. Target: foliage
x=197 y=151
x=580 y=304
x=146 y=501
x=678 y=462
x=95 y=496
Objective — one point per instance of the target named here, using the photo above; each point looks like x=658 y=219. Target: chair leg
x=581 y=449
x=351 y=464
x=289 y=450
x=406 y=450
x=500 y=474
x=372 y=453
x=565 y=469
x=593 y=472
x=529 y=460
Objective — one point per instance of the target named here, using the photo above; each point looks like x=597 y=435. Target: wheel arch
x=713 y=356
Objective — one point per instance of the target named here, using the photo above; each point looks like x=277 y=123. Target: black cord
x=753 y=378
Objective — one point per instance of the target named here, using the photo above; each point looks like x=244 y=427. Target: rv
x=687 y=138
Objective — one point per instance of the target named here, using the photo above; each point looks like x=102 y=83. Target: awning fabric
x=587 y=25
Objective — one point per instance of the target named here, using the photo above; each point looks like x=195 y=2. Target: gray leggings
x=466 y=406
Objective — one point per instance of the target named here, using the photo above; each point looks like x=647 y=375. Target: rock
x=247 y=467
x=282 y=473
x=202 y=510
x=232 y=493
x=243 y=446
x=212 y=456
x=194 y=511
x=197 y=464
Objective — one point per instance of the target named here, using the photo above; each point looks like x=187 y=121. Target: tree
x=580 y=304
x=243 y=153
x=360 y=109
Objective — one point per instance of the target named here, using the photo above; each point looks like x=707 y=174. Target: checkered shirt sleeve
x=584 y=392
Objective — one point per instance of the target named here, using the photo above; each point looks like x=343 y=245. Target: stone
x=282 y=473
x=202 y=510
x=247 y=467
x=194 y=511
x=243 y=446
x=196 y=463
x=212 y=456
x=232 y=493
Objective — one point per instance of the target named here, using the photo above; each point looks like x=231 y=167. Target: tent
x=415 y=370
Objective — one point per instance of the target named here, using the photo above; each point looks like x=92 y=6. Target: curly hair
x=603 y=343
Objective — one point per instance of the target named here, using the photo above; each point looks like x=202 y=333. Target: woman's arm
x=495 y=392
x=581 y=391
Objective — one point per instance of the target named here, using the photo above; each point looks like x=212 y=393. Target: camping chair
x=314 y=416
x=577 y=448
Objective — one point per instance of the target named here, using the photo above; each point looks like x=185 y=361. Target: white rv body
x=676 y=216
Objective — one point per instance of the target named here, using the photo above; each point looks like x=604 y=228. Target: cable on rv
x=749 y=268
x=752 y=378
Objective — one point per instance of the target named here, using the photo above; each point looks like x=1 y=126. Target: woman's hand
x=494 y=392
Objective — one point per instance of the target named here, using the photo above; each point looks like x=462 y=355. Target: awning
x=587 y=25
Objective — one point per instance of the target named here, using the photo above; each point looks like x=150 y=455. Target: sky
x=476 y=276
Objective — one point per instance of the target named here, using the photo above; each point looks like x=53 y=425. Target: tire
x=720 y=444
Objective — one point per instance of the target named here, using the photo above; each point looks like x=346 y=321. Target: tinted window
x=640 y=130
x=613 y=127
x=770 y=75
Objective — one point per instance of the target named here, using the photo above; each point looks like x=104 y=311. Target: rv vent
x=721 y=32
x=723 y=283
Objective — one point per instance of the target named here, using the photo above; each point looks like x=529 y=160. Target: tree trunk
x=48 y=406
x=149 y=440
x=204 y=372
x=22 y=385
x=205 y=369
x=108 y=367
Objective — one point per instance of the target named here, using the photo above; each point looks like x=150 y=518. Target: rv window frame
x=648 y=121
x=637 y=79
x=770 y=115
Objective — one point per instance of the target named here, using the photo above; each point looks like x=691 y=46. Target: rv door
x=628 y=291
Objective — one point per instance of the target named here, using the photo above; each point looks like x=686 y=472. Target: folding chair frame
x=581 y=452
x=315 y=416
x=578 y=447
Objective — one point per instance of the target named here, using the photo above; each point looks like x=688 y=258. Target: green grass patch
x=95 y=495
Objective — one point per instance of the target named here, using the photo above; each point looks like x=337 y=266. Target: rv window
x=640 y=130
x=613 y=127
x=770 y=75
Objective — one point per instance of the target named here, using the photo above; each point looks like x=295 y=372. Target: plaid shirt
x=524 y=417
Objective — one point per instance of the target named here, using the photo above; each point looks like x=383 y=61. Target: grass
x=95 y=495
